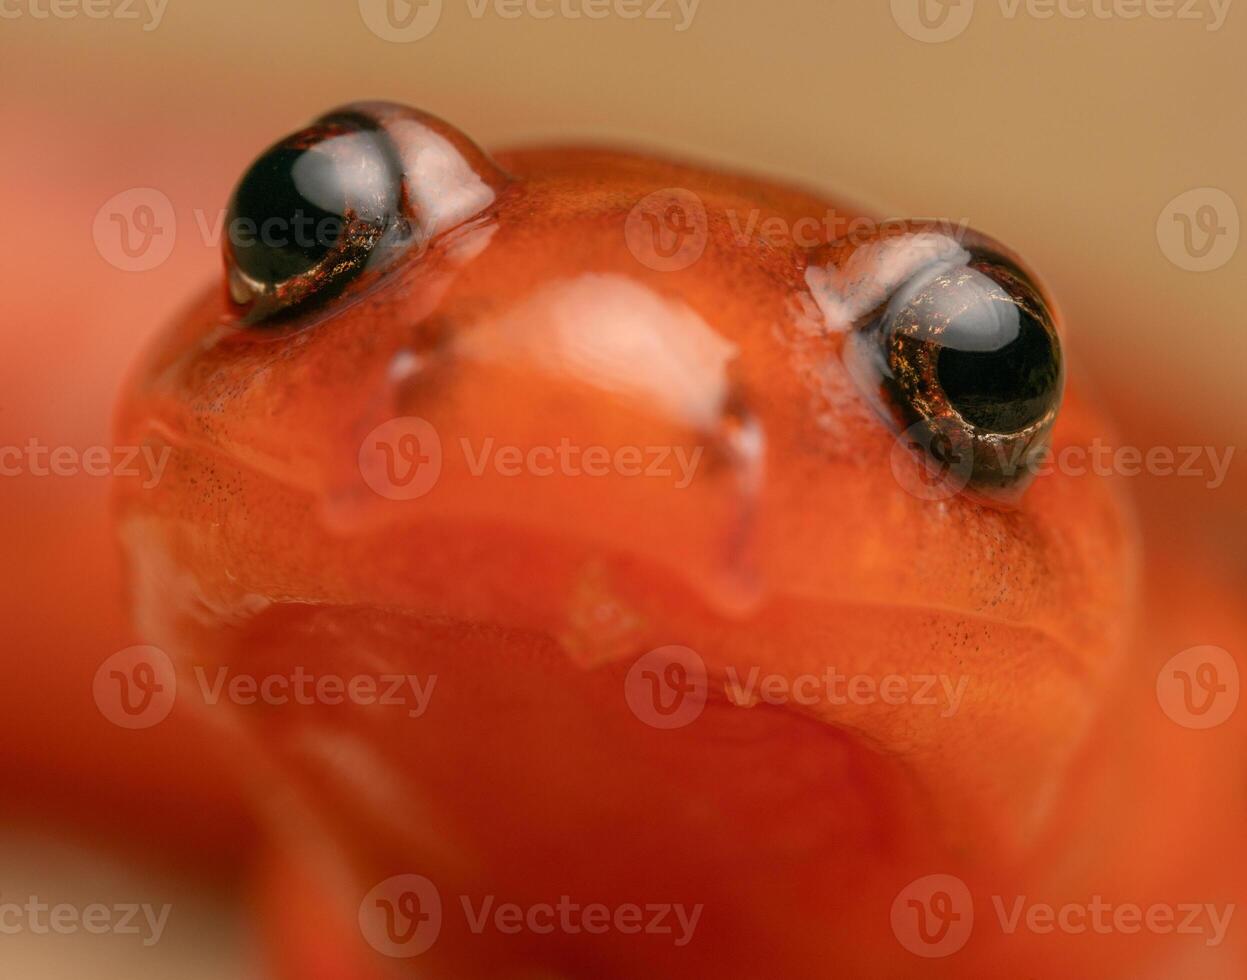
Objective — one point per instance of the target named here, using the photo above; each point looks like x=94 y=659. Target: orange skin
x=65 y=768
x=794 y=548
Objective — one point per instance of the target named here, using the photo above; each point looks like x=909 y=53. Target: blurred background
x=1102 y=140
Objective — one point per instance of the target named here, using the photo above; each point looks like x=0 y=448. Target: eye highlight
x=952 y=340
x=321 y=210
x=998 y=361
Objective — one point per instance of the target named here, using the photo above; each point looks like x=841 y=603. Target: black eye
x=960 y=349
x=340 y=199
x=310 y=213
x=998 y=361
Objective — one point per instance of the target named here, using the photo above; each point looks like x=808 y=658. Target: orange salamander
x=600 y=582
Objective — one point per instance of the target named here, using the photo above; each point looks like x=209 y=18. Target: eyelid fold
x=325 y=209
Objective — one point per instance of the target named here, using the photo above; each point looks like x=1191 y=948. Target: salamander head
x=531 y=388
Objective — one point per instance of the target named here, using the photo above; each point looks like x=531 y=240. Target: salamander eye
x=308 y=215
x=953 y=341
x=321 y=211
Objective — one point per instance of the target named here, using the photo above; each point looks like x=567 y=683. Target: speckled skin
x=793 y=549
